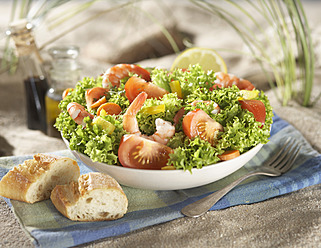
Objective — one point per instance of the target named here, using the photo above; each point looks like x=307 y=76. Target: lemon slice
x=207 y=58
x=106 y=125
x=249 y=94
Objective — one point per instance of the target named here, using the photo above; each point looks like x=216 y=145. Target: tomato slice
x=141 y=153
x=198 y=123
x=136 y=85
x=256 y=107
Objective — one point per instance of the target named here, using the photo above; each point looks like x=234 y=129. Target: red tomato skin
x=129 y=156
x=256 y=107
x=187 y=121
x=133 y=87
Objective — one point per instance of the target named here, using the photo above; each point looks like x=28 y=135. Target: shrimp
x=95 y=97
x=164 y=129
x=215 y=105
x=114 y=74
x=226 y=80
x=130 y=123
x=78 y=113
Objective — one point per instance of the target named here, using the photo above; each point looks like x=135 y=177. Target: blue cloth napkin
x=48 y=228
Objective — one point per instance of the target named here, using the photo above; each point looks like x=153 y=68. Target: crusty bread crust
x=34 y=180
x=96 y=197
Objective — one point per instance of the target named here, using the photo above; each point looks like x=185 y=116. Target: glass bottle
x=64 y=73
x=35 y=80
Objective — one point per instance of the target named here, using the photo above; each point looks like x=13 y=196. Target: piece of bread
x=96 y=197
x=34 y=180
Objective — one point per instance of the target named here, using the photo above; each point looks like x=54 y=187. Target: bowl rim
x=147 y=171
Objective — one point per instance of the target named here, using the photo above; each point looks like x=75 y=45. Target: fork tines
x=285 y=158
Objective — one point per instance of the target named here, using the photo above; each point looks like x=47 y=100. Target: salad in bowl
x=155 y=119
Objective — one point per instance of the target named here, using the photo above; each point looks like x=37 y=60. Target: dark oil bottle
x=34 y=76
x=35 y=89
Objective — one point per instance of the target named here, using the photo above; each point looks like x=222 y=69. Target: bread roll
x=34 y=180
x=95 y=197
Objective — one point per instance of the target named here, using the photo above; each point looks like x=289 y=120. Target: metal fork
x=277 y=165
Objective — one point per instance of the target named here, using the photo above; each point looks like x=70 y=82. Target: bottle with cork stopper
x=34 y=75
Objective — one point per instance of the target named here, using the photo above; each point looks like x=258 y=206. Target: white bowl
x=169 y=179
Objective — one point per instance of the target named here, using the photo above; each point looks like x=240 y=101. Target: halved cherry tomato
x=140 y=153
x=110 y=108
x=135 y=85
x=198 y=123
x=256 y=107
x=227 y=155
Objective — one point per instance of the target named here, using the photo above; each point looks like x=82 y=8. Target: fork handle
x=201 y=206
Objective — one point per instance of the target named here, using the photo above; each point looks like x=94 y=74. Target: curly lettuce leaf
x=191 y=153
x=91 y=140
x=172 y=104
x=241 y=130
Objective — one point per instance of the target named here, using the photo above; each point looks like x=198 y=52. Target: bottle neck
x=65 y=70
x=22 y=35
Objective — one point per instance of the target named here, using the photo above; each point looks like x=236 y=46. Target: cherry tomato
x=135 y=85
x=256 y=107
x=141 y=153
x=198 y=123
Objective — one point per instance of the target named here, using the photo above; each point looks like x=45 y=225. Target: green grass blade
x=84 y=21
x=68 y=14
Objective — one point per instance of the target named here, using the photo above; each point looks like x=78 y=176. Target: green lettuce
x=241 y=130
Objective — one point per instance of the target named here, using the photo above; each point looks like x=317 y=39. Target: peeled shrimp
x=130 y=123
x=95 y=97
x=226 y=80
x=164 y=129
x=114 y=74
x=78 y=113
